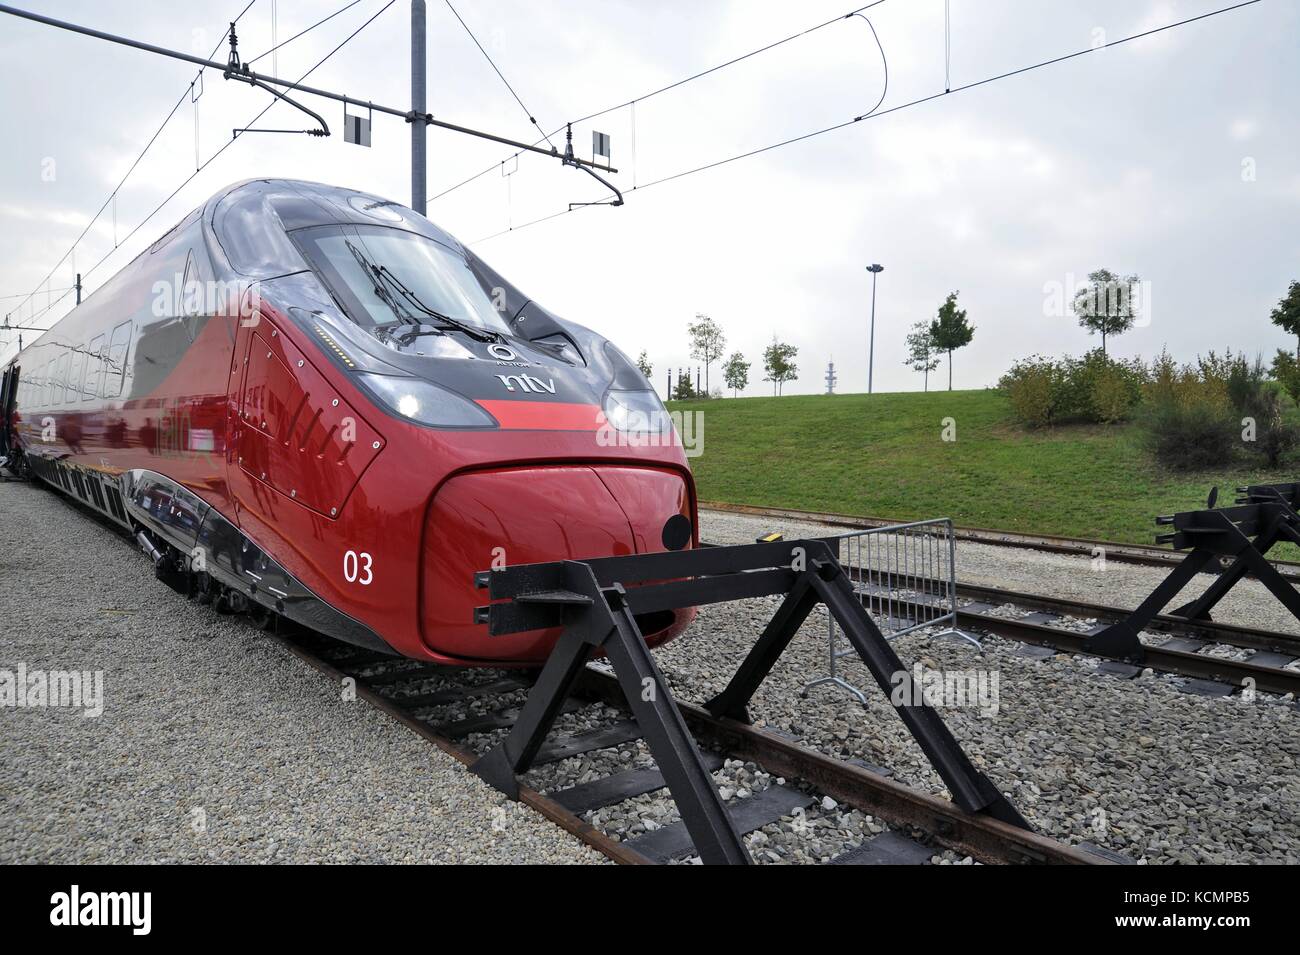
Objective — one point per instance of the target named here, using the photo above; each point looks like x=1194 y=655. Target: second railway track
x=1190 y=652
x=1145 y=555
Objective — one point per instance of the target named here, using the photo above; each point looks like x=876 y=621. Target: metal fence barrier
x=906 y=577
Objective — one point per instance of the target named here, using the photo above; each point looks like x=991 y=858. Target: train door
x=8 y=407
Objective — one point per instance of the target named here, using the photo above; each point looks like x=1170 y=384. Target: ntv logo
x=527 y=383
x=103 y=908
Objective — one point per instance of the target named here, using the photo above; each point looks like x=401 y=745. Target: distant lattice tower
x=830 y=378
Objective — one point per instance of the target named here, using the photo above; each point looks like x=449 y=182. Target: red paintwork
x=551 y=416
x=530 y=514
x=427 y=505
x=421 y=599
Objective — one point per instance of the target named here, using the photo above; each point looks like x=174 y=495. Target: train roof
x=251 y=220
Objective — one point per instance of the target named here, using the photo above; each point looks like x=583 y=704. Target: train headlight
x=425 y=403
x=637 y=412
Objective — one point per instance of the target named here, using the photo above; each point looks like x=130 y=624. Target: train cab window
x=94 y=369
x=383 y=276
x=115 y=374
x=75 y=372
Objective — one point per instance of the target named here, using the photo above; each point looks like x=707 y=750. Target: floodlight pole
x=875 y=270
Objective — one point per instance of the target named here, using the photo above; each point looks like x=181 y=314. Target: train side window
x=191 y=297
x=115 y=374
x=75 y=373
x=94 y=369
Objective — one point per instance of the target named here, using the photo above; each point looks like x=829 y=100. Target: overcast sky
x=1176 y=157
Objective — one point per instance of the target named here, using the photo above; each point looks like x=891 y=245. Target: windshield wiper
x=385 y=281
x=481 y=334
x=376 y=279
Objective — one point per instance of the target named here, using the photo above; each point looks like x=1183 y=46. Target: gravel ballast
x=1134 y=765
x=215 y=743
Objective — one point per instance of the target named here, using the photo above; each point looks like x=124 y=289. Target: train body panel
x=269 y=391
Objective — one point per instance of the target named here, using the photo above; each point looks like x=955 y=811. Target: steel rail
x=1201 y=666
x=1182 y=662
x=1229 y=634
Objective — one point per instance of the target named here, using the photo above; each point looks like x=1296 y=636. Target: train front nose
x=524 y=515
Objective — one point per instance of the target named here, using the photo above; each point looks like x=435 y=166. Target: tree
x=707 y=342
x=778 y=362
x=950 y=331
x=922 y=356
x=736 y=373
x=1286 y=372
x=1287 y=314
x=643 y=362
x=683 y=390
x=1107 y=304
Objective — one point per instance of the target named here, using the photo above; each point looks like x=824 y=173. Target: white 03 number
x=357 y=568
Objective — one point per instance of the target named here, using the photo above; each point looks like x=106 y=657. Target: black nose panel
x=677 y=532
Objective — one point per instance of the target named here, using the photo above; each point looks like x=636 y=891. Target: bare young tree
x=707 y=343
x=778 y=362
x=922 y=356
x=736 y=373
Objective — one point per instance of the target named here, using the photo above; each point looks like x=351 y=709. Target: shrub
x=1189 y=434
x=1286 y=372
x=1094 y=388
x=1274 y=437
x=1031 y=386
x=1112 y=397
x=1204 y=415
x=1109 y=389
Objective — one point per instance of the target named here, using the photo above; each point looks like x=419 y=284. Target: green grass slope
x=883 y=455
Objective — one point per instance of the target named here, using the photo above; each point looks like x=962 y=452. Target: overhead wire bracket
x=240 y=71
x=570 y=160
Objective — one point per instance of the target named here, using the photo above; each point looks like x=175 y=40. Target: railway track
x=1191 y=651
x=1151 y=556
x=920 y=824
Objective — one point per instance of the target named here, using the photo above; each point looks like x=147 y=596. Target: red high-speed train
x=309 y=401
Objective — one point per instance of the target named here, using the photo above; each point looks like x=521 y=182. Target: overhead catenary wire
x=112 y=196
x=304 y=32
x=675 y=84
x=158 y=208
x=893 y=109
x=527 y=112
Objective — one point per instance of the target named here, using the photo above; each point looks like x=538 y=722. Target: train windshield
x=384 y=276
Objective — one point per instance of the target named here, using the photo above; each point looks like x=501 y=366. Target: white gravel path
x=207 y=725
x=1136 y=766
